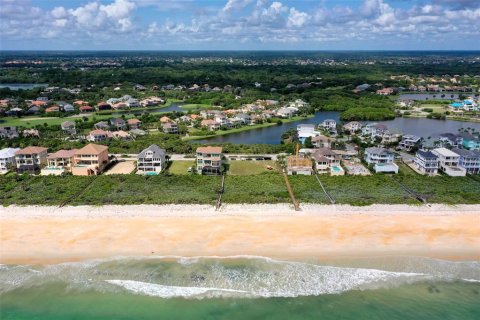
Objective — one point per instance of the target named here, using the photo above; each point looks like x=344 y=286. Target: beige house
x=209 y=160
x=327 y=161
x=30 y=159
x=90 y=160
x=322 y=141
x=59 y=162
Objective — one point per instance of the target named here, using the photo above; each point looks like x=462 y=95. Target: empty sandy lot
x=124 y=167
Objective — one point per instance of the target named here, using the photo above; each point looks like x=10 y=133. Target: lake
x=22 y=86
x=171 y=108
x=271 y=135
x=433 y=96
x=425 y=128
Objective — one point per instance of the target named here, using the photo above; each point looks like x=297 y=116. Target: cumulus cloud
x=239 y=21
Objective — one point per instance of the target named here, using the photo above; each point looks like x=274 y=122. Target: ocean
x=242 y=288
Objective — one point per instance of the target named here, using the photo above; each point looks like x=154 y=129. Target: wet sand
x=45 y=235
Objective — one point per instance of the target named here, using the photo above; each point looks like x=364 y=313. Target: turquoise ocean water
x=242 y=288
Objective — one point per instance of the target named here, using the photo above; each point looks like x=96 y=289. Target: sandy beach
x=46 y=235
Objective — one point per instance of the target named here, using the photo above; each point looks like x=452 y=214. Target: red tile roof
x=31 y=150
x=210 y=149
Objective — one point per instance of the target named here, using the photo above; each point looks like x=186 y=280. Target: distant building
x=352 y=126
x=59 y=162
x=8 y=132
x=68 y=127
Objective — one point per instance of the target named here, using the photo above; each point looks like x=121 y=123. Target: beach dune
x=45 y=235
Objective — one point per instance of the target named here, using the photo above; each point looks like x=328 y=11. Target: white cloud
x=296 y=18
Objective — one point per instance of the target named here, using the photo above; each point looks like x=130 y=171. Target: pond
x=269 y=135
x=22 y=86
x=171 y=108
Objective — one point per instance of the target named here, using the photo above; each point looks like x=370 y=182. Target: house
x=31 y=133
x=469 y=160
x=33 y=110
x=322 y=141
x=210 y=124
x=170 y=127
x=410 y=142
x=352 y=126
x=90 y=160
x=139 y=87
x=244 y=118
x=68 y=127
x=30 y=159
x=329 y=125
x=469 y=141
x=59 y=162
x=305 y=131
x=7 y=159
x=299 y=165
x=151 y=160
x=221 y=119
x=8 y=132
x=97 y=135
x=102 y=125
x=327 y=161
x=209 y=160
x=52 y=109
x=134 y=124
x=449 y=162
x=118 y=123
x=385 y=91
x=66 y=107
x=85 y=109
x=450 y=140
x=119 y=135
x=103 y=106
x=426 y=162
x=137 y=132
x=286 y=112
x=299 y=103
x=381 y=159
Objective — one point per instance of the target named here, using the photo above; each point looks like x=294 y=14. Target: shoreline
x=48 y=235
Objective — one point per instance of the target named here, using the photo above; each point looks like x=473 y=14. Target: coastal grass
x=266 y=187
x=444 y=189
x=40 y=190
x=261 y=188
x=161 y=189
x=243 y=168
x=180 y=167
x=353 y=190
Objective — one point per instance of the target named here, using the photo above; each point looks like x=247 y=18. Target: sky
x=240 y=25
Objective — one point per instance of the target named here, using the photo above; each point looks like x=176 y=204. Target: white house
x=329 y=124
x=426 y=162
x=7 y=159
x=305 y=131
x=449 y=162
x=409 y=142
x=381 y=158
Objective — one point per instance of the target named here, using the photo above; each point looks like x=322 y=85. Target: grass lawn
x=244 y=168
x=180 y=167
x=405 y=170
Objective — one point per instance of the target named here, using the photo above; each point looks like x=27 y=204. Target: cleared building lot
x=122 y=167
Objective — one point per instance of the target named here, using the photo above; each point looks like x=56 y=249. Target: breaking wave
x=209 y=277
